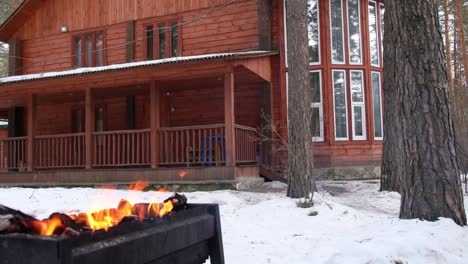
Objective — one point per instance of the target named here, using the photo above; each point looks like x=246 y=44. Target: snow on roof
x=80 y=71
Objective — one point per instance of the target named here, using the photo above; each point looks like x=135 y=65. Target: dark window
x=78 y=52
x=149 y=42
x=162 y=40
x=100 y=49
x=78 y=120
x=89 y=50
x=175 y=39
x=100 y=119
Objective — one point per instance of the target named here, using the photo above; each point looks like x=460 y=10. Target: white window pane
x=354 y=27
x=339 y=90
x=315 y=87
x=358 y=121
x=336 y=21
x=316 y=120
x=356 y=86
x=382 y=24
x=314 y=30
x=373 y=34
x=377 y=105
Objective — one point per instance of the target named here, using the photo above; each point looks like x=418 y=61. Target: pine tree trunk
x=448 y=43
x=417 y=106
x=461 y=30
x=301 y=182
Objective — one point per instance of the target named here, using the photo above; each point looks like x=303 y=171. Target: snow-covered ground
x=355 y=223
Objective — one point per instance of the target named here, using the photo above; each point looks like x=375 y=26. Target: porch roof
x=126 y=66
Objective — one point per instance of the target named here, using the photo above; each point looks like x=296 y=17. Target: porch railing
x=59 y=151
x=192 y=146
x=246 y=144
x=122 y=148
x=13 y=153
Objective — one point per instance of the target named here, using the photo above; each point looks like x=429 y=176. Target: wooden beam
x=89 y=127
x=31 y=121
x=155 y=101
x=229 y=117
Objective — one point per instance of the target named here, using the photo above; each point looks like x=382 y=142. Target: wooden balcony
x=192 y=146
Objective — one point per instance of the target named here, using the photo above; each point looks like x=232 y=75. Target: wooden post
x=229 y=117
x=31 y=120
x=89 y=127
x=155 y=101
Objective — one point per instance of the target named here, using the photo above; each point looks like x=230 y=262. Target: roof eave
x=10 y=26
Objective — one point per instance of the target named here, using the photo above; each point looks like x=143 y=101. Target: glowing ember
x=107 y=218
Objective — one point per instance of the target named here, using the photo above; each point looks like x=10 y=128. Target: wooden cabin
x=174 y=91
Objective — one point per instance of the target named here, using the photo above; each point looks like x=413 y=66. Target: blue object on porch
x=208 y=159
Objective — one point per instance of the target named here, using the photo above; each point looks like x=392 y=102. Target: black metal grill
x=188 y=236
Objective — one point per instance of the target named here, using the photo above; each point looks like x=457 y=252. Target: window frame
x=83 y=36
x=333 y=62
x=319 y=105
x=359 y=104
x=380 y=101
x=168 y=42
x=346 y=104
x=377 y=33
x=319 y=44
x=361 y=61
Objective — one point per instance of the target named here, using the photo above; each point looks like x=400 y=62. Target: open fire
x=58 y=224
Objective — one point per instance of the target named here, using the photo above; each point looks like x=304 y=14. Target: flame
x=107 y=218
x=47 y=227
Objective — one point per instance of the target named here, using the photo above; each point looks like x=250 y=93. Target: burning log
x=58 y=224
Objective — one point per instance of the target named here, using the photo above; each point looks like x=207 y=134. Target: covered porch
x=186 y=120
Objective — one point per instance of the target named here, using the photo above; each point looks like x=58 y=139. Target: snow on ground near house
x=355 y=223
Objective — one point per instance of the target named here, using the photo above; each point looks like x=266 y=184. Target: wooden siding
x=201 y=105
x=233 y=28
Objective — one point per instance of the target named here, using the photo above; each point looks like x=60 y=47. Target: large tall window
x=340 y=104
x=374 y=34
x=357 y=105
x=377 y=105
x=336 y=22
x=382 y=14
x=313 y=20
x=88 y=50
x=162 y=40
x=354 y=32
x=317 y=105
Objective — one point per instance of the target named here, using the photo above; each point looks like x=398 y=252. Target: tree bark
x=461 y=30
x=301 y=183
x=448 y=43
x=416 y=88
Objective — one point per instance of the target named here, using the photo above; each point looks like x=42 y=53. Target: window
x=175 y=39
x=100 y=119
x=357 y=105
x=340 y=104
x=149 y=42
x=377 y=105
x=89 y=50
x=317 y=105
x=382 y=14
x=373 y=34
x=162 y=40
x=78 y=120
x=314 y=31
x=354 y=31
x=336 y=21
